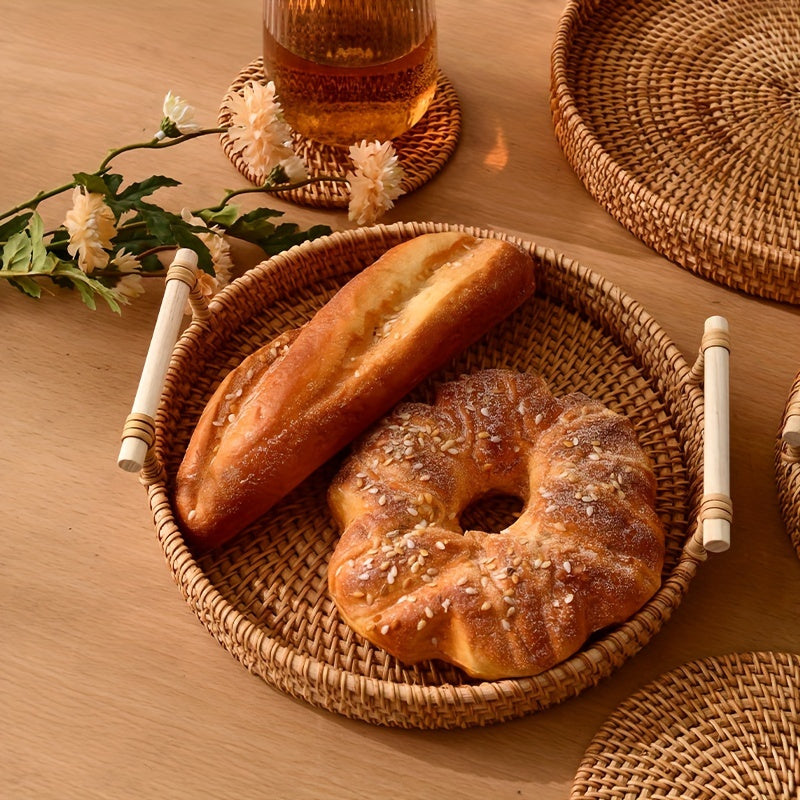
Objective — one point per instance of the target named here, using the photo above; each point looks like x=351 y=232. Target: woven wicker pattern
x=787 y=472
x=264 y=595
x=422 y=151
x=725 y=728
x=682 y=117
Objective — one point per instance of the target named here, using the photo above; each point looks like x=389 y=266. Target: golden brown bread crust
x=586 y=552
x=283 y=412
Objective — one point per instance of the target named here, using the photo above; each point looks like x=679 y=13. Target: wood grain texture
x=110 y=688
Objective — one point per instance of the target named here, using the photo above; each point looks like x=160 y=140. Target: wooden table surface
x=110 y=687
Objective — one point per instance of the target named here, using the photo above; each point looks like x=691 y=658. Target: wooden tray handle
x=712 y=367
x=138 y=433
x=790 y=434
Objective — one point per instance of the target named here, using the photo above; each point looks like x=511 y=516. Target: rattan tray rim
x=610 y=183
x=284 y=656
x=596 y=661
x=730 y=669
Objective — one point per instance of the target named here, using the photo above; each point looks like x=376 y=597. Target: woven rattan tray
x=726 y=728
x=682 y=118
x=264 y=597
x=787 y=465
x=421 y=151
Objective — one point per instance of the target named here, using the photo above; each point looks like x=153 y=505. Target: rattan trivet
x=264 y=595
x=422 y=151
x=725 y=728
x=787 y=468
x=682 y=119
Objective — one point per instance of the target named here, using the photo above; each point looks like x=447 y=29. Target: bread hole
x=491 y=513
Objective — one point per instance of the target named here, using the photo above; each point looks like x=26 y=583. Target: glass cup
x=347 y=70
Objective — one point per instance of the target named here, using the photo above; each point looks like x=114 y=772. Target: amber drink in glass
x=347 y=70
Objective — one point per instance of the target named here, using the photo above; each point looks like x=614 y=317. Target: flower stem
x=33 y=202
x=153 y=144
x=10 y=274
x=273 y=188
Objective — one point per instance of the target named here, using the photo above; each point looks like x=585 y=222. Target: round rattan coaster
x=787 y=471
x=726 y=728
x=264 y=595
x=422 y=151
x=682 y=117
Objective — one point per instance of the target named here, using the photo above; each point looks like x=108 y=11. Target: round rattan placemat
x=682 y=118
x=787 y=471
x=264 y=595
x=726 y=728
x=422 y=151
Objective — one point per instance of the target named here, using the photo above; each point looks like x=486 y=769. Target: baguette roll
x=296 y=402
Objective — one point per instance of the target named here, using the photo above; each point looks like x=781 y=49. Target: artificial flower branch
x=153 y=144
x=266 y=188
x=110 y=238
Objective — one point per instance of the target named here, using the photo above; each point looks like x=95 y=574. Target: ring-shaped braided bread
x=586 y=551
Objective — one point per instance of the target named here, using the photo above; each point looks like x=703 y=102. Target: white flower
x=259 y=132
x=375 y=182
x=90 y=223
x=295 y=169
x=128 y=287
x=125 y=261
x=220 y=253
x=178 y=118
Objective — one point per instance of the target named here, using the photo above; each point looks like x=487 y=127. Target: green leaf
x=87 y=286
x=136 y=191
x=255 y=227
x=170 y=229
x=226 y=217
x=288 y=235
x=87 y=295
x=92 y=183
x=159 y=222
x=130 y=198
x=26 y=286
x=105 y=184
x=17 y=253
x=113 y=182
x=14 y=225
x=151 y=263
x=59 y=242
x=38 y=248
x=110 y=298
x=185 y=238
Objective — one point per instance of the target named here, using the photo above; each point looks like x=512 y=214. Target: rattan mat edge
x=723 y=727
x=422 y=151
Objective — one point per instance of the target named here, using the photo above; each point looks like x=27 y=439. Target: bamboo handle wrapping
x=791 y=431
x=716 y=510
x=139 y=431
x=790 y=434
